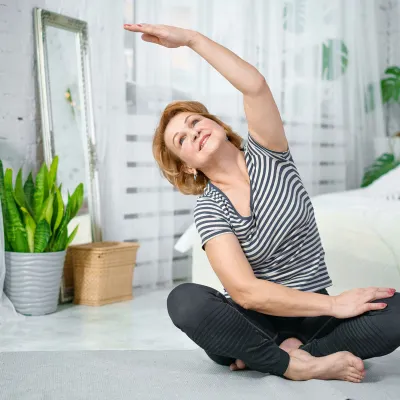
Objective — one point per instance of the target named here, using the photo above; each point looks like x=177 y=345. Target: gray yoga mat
x=158 y=375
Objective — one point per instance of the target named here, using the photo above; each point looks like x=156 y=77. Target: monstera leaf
x=294 y=16
x=390 y=86
x=334 y=59
x=385 y=163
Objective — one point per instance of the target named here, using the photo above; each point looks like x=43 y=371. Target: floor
x=140 y=324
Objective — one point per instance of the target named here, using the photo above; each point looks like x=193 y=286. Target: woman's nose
x=194 y=135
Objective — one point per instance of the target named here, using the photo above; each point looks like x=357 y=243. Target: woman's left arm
x=262 y=114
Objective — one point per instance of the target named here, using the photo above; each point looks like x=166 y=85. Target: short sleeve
x=254 y=148
x=210 y=220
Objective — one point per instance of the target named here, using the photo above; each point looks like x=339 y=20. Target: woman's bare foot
x=290 y=344
x=237 y=365
x=342 y=366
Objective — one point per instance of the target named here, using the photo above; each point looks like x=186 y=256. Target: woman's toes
x=358 y=364
x=233 y=367
x=240 y=364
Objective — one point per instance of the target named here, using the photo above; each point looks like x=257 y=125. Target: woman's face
x=194 y=138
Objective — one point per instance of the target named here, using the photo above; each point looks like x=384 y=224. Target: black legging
x=228 y=332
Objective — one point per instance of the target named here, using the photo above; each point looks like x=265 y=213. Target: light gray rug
x=159 y=375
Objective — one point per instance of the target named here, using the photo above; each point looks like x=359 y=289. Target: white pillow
x=387 y=186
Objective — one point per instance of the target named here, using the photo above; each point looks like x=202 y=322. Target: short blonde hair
x=170 y=165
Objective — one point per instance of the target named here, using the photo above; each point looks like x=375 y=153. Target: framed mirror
x=64 y=89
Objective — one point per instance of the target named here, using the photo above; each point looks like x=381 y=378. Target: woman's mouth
x=203 y=141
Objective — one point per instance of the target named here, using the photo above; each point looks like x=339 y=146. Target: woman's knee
x=187 y=304
x=221 y=360
x=388 y=320
x=394 y=319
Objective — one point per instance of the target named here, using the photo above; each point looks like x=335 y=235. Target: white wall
x=20 y=142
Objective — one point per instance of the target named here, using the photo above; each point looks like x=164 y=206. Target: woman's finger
x=150 y=38
x=154 y=30
x=381 y=293
x=134 y=27
x=144 y=28
x=376 y=306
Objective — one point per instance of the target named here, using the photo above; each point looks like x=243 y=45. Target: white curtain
x=390 y=55
x=320 y=58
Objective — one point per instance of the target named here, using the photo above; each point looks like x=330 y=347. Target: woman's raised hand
x=359 y=301
x=164 y=35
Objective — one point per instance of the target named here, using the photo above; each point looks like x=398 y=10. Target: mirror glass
x=67 y=122
x=68 y=138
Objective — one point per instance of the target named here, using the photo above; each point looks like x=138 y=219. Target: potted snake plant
x=35 y=223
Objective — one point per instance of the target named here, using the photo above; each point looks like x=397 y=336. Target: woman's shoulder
x=254 y=148
x=210 y=197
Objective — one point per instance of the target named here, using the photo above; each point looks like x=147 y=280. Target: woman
x=258 y=229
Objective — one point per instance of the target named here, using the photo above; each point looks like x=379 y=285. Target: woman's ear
x=189 y=170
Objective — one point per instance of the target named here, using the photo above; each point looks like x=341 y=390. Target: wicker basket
x=103 y=272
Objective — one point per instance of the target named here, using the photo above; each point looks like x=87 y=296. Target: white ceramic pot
x=32 y=281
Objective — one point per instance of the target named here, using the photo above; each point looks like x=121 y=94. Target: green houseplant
x=390 y=89
x=35 y=222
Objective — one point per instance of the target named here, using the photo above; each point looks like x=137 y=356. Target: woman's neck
x=229 y=170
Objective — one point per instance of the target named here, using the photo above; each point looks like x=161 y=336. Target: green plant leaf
x=2 y=193
x=393 y=71
x=29 y=190
x=53 y=172
x=396 y=92
x=58 y=210
x=38 y=197
x=390 y=85
x=2 y=189
x=47 y=210
x=71 y=237
x=7 y=246
x=77 y=200
x=46 y=189
x=369 y=98
x=61 y=236
x=30 y=226
x=42 y=236
x=16 y=233
x=334 y=59
x=19 y=194
x=388 y=88
x=294 y=16
x=61 y=240
x=381 y=166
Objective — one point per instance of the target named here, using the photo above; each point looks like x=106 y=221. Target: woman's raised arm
x=262 y=114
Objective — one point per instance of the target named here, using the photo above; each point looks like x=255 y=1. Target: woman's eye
x=181 y=140
x=194 y=122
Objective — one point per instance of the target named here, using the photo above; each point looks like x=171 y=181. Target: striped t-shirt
x=280 y=238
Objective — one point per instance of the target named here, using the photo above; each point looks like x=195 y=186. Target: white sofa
x=360 y=232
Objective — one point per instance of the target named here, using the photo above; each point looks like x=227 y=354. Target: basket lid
x=105 y=246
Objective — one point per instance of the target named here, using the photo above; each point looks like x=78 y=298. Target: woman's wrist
x=193 y=38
